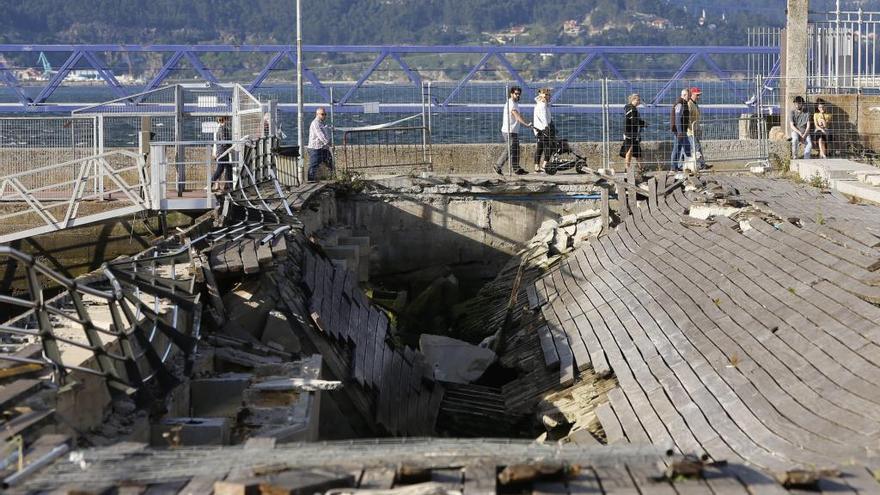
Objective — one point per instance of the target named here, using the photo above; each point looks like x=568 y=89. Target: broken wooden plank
x=551 y=357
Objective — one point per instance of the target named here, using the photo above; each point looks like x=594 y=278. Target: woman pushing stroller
x=632 y=129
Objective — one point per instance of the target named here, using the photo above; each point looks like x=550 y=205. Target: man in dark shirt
x=799 y=124
x=679 y=120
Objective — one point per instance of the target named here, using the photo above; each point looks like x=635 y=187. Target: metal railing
x=27 y=143
x=122 y=324
x=112 y=183
x=395 y=149
x=844 y=51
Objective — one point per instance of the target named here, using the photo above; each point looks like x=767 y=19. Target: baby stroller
x=562 y=156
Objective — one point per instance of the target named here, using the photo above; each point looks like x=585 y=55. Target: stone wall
x=473 y=229
x=480 y=158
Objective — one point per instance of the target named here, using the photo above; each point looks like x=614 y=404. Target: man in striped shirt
x=319 y=144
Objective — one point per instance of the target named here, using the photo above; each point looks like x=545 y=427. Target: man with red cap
x=693 y=132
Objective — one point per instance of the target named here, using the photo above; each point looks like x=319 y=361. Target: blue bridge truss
x=92 y=57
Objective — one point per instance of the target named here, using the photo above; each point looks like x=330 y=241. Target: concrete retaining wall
x=480 y=158
x=474 y=234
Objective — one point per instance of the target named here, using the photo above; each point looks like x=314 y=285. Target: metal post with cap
x=299 y=94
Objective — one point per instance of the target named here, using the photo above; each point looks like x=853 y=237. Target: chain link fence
x=29 y=143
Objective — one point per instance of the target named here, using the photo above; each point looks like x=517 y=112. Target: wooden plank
x=652 y=193
x=22 y=422
x=722 y=483
x=372 y=318
x=532 y=296
x=605 y=209
x=610 y=424
x=364 y=350
x=217 y=258
x=566 y=358
x=632 y=427
x=616 y=480
x=383 y=402
x=622 y=204
x=264 y=253
x=649 y=479
x=14 y=392
x=248 y=251
x=752 y=479
x=278 y=246
x=232 y=255
x=551 y=357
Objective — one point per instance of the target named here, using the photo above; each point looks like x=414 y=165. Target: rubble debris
x=296 y=384
x=190 y=431
x=278 y=333
x=455 y=361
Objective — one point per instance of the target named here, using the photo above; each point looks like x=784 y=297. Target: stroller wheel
x=550 y=169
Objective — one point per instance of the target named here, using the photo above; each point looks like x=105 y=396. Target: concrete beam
x=795 y=53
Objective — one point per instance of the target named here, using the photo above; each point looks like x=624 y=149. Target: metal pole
x=425 y=127
x=430 y=139
x=332 y=122
x=299 y=93
x=605 y=158
x=507 y=135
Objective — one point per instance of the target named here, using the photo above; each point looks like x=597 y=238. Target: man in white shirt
x=319 y=144
x=510 y=130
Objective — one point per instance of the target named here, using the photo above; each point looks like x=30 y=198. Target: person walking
x=632 y=129
x=799 y=123
x=319 y=144
x=510 y=131
x=679 y=120
x=542 y=124
x=222 y=155
x=694 y=130
x=822 y=122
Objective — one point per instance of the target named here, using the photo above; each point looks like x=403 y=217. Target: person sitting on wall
x=822 y=121
x=799 y=124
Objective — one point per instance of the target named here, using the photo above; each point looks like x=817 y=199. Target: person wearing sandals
x=822 y=122
x=542 y=125
x=632 y=129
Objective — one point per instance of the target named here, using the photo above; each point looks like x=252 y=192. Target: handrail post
x=157 y=175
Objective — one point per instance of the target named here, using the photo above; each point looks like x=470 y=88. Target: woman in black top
x=632 y=128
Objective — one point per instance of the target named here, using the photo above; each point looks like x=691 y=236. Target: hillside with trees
x=429 y=22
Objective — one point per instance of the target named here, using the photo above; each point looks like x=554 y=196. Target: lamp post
x=299 y=94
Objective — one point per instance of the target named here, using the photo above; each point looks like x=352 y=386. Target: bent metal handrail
x=128 y=286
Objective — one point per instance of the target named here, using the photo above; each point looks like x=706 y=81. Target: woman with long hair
x=632 y=128
x=542 y=124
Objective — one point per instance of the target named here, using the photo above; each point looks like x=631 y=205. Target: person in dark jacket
x=679 y=120
x=632 y=128
x=221 y=155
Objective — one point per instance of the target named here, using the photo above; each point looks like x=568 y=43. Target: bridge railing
x=381 y=151
x=123 y=323
x=33 y=205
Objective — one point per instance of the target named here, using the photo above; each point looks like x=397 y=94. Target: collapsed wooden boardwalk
x=755 y=341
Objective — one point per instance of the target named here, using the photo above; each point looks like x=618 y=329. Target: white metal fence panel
x=28 y=143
